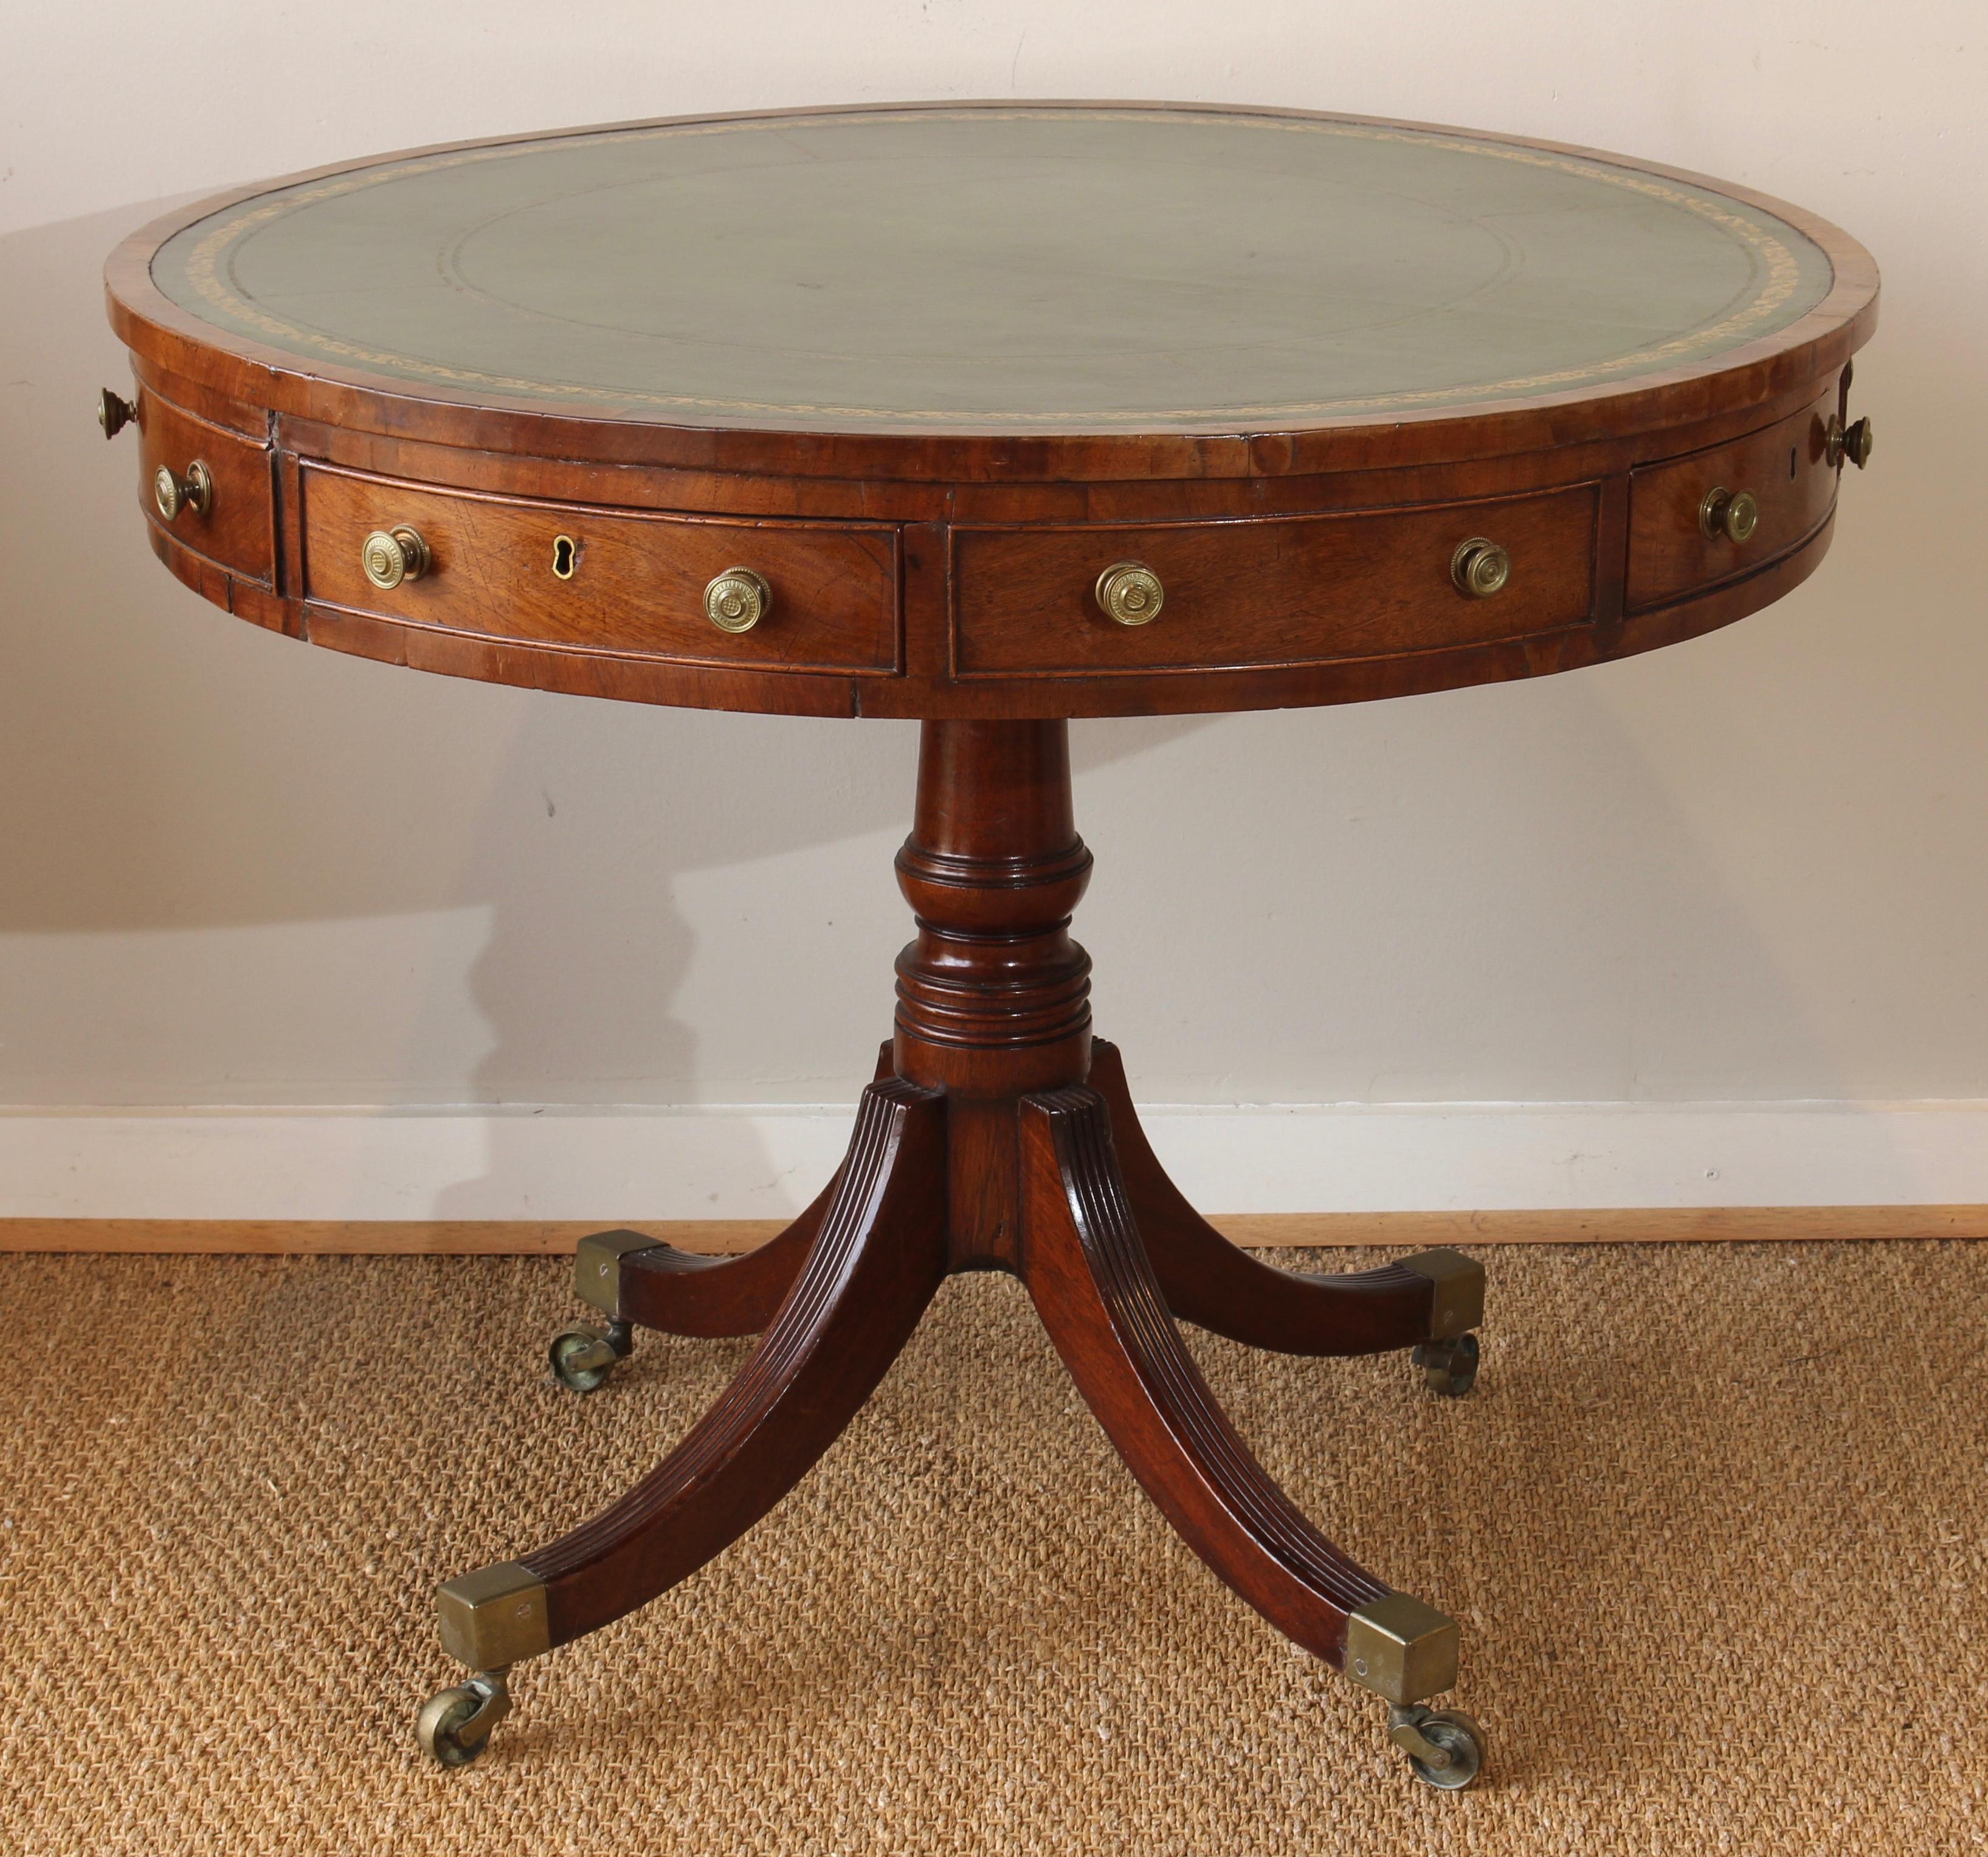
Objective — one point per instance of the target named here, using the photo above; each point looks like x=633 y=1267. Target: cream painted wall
x=235 y=870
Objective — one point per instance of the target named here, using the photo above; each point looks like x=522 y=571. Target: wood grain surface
x=945 y=571
x=1784 y=467
x=1272 y=591
x=634 y=584
x=878 y=1256
x=237 y=534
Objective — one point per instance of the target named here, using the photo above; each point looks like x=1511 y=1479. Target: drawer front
x=1782 y=467
x=634 y=583
x=1272 y=591
x=238 y=529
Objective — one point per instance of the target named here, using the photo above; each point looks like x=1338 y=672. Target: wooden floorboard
x=527 y=1237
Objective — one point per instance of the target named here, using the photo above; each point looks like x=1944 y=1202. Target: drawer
x=1269 y=591
x=614 y=581
x=1782 y=467
x=237 y=529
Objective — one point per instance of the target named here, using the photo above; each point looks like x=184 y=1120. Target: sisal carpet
x=1713 y=1521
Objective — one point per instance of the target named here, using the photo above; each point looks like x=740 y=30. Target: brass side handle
x=193 y=491
x=1480 y=567
x=1851 y=443
x=737 y=600
x=391 y=555
x=1732 y=514
x=114 y=413
x=1130 y=591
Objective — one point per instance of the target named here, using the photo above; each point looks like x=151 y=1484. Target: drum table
x=993 y=415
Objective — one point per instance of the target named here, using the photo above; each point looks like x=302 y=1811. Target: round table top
x=993 y=410
x=990 y=269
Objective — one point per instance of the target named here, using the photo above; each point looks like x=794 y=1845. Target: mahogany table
x=993 y=415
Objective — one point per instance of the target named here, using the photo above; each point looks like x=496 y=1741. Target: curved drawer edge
x=653 y=681
x=583 y=673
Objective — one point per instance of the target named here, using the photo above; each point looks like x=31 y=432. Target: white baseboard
x=756 y=1162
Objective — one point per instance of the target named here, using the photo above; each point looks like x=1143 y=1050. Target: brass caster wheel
x=582 y=1358
x=454 y=1726
x=1449 y=1366
x=1445 y=1747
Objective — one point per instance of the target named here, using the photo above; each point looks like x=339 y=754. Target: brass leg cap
x=597 y=1268
x=495 y=1617
x=1401 y=1649
x=1458 y=1305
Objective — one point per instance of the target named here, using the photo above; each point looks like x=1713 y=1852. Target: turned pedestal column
x=998 y=1135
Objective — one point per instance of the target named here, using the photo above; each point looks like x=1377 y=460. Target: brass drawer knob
x=737 y=600
x=1480 y=567
x=114 y=413
x=193 y=491
x=1731 y=513
x=1851 y=442
x=1130 y=591
x=391 y=555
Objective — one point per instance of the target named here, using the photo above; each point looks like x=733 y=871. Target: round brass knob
x=193 y=491
x=1130 y=591
x=737 y=600
x=1731 y=513
x=1480 y=567
x=1851 y=442
x=391 y=555
x=114 y=413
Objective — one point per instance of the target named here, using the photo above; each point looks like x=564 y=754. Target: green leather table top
x=1032 y=268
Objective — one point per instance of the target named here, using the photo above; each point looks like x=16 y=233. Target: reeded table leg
x=880 y=1255
x=1434 y=1296
x=637 y=1282
x=1098 y=1298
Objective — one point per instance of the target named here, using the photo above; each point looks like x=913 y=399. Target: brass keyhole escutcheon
x=737 y=600
x=1480 y=567
x=1733 y=514
x=193 y=491
x=566 y=556
x=1130 y=591
x=391 y=555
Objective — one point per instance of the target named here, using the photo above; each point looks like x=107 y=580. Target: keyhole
x=566 y=552
x=1791 y=463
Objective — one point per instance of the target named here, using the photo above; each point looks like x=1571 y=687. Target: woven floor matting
x=1713 y=1522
